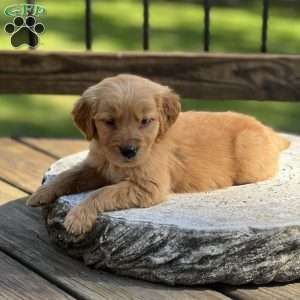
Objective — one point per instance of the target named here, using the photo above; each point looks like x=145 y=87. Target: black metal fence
x=146 y=25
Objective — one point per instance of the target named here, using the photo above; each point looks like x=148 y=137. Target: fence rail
x=199 y=76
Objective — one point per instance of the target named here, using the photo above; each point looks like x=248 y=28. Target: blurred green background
x=175 y=26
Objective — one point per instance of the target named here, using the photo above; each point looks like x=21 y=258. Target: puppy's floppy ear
x=82 y=114
x=169 y=107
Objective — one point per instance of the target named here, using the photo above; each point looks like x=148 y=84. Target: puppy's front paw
x=80 y=219
x=43 y=196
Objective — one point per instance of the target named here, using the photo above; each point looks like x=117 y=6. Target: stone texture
x=242 y=234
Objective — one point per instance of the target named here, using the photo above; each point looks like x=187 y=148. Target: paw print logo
x=24 y=31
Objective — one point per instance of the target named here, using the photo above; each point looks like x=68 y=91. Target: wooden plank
x=57 y=147
x=273 y=291
x=23 y=235
x=202 y=76
x=8 y=192
x=22 y=166
x=20 y=283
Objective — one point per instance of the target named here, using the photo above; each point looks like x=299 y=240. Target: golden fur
x=177 y=152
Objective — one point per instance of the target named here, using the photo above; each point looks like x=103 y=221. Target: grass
x=36 y=115
x=175 y=26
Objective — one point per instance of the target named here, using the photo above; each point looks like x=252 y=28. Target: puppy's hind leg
x=257 y=152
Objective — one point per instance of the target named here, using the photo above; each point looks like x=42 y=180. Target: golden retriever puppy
x=142 y=149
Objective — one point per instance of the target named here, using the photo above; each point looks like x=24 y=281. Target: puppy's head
x=126 y=115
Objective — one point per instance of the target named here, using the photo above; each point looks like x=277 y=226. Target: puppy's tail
x=282 y=142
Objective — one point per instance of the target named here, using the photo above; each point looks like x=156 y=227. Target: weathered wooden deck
x=31 y=268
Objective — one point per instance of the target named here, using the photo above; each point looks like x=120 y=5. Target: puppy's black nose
x=128 y=151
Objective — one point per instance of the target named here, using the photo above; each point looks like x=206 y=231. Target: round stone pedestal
x=241 y=234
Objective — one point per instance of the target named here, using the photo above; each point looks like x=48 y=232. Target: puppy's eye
x=146 y=121
x=110 y=123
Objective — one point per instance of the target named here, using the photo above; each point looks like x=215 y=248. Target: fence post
x=206 y=25
x=146 y=25
x=264 y=33
x=88 y=25
x=30 y=33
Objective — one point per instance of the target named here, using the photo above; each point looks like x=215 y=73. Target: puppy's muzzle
x=128 y=151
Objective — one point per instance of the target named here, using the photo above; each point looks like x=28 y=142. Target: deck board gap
x=21 y=141
x=15 y=185
x=43 y=275
x=222 y=290
x=19 y=282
